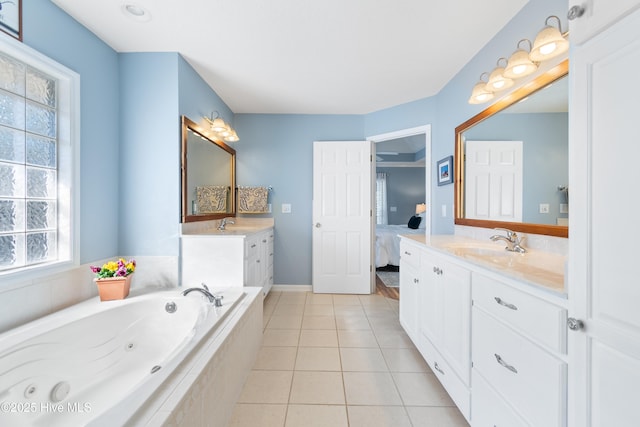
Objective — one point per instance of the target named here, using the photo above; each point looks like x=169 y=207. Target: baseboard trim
x=292 y=288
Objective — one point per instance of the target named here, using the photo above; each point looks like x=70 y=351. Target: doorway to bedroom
x=402 y=193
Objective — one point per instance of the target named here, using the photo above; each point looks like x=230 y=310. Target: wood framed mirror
x=534 y=120
x=208 y=175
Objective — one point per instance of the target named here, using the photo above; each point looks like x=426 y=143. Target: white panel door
x=342 y=217
x=493 y=176
x=604 y=290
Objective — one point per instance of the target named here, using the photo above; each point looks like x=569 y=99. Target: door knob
x=318 y=225
x=575 y=324
x=575 y=12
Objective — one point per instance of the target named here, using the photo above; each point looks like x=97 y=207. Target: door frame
x=426 y=130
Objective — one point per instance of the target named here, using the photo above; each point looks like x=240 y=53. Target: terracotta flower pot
x=113 y=288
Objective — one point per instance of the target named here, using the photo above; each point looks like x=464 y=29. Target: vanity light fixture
x=221 y=129
x=549 y=42
x=519 y=65
x=497 y=80
x=480 y=94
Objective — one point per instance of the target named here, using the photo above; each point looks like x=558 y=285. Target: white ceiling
x=297 y=56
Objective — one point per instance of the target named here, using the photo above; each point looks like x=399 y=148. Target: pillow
x=414 y=222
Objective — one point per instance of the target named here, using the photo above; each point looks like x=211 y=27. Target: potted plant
x=114 y=279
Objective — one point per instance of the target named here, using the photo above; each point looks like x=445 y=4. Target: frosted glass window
x=28 y=165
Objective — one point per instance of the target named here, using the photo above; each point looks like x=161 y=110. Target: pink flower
x=95 y=269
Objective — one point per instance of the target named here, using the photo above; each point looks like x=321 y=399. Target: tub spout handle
x=217 y=300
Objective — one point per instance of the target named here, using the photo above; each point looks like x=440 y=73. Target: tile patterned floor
x=340 y=360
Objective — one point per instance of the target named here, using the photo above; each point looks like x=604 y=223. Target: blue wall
x=52 y=32
x=277 y=150
x=142 y=137
x=405 y=189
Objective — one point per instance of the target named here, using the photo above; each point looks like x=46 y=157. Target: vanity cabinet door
x=409 y=286
x=446 y=311
x=597 y=15
x=604 y=335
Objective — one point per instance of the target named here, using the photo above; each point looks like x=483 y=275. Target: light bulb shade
x=479 y=94
x=218 y=125
x=497 y=81
x=519 y=65
x=421 y=207
x=232 y=137
x=548 y=44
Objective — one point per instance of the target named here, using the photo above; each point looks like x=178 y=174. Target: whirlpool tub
x=97 y=363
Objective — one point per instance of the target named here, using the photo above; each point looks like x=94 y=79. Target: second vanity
x=491 y=324
x=240 y=254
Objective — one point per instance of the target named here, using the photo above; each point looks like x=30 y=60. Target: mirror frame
x=187 y=125
x=534 y=85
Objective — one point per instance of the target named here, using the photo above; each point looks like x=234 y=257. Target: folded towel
x=212 y=198
x=253 y=199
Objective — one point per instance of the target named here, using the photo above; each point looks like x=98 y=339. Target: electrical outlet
x=269 y=207
x=393 y=209
x=544 y=208
x=444 y=211
x=564 y=208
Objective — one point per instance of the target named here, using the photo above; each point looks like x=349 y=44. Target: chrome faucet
x=214 y=299
x=224 y=222
x=514 y=242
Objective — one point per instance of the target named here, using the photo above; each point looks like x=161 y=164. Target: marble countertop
x=535 y=267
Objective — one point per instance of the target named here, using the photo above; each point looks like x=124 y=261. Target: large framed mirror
x=208 y=173
x=511 y=160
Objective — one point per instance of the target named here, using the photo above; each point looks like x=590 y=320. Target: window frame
x=68 y=199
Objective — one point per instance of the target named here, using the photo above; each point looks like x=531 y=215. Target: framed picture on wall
x=445 y=171
x=11 y=18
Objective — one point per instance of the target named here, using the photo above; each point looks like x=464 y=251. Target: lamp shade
x=218 y=125
x=421 y=207
x=480 y=94
x=519 y=65
x=498 y=81
x=549 y=43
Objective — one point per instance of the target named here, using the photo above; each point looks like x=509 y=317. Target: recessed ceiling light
x=136 y=12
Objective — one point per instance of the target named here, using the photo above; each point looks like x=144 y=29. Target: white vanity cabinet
x=445 y=324
x=258 y=261
x=596 y=16
x=518 y=347
x=409 y=287
x=604 y=336
x=226 y=260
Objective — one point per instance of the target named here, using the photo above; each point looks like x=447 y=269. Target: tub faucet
x=514 y=243
x=214 y=299
x=224 y=222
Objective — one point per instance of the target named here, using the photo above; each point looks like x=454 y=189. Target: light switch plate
x=286 y=208
x=393 y=209
x=544 y=207
x=444 y=211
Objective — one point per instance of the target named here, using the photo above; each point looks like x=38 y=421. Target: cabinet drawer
x=410 y=254
x=527 y=376
x=488 y=409
x=541 y=320
x=458 y=392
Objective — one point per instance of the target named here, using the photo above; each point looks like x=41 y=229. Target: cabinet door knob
x=318 y=225
x=575 y=12
x=575 y=324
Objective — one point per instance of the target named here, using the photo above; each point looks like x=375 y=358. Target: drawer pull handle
x=407 y=253
x=437 y=368
x=253 y=246
x=505 y=364
x=416 y=280
x=437 y=270
x=505 y=304
x=264 y=240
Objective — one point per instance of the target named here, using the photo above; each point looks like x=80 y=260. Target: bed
x=388 y=243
